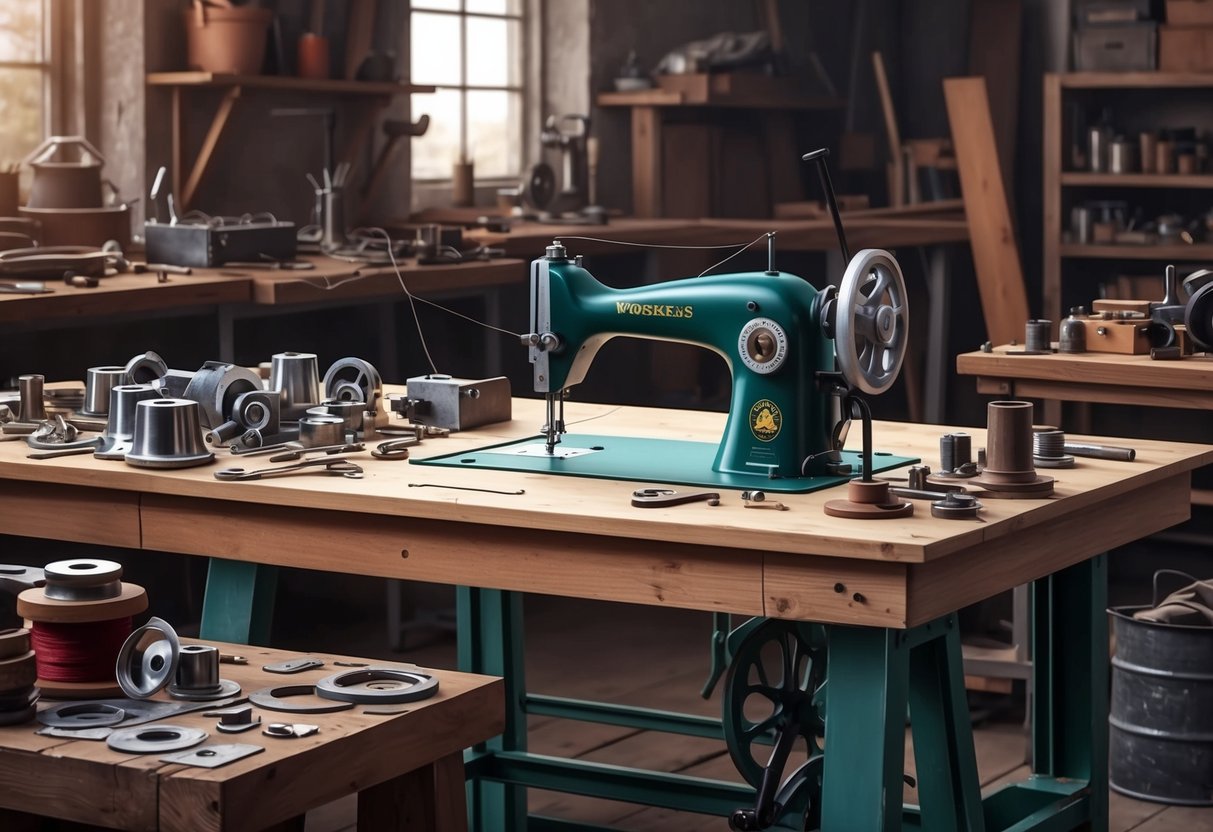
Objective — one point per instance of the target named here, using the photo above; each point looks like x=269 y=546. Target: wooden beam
x=203 y=161
x=646 y=162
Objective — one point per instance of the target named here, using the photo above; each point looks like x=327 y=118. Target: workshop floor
x=658 y=658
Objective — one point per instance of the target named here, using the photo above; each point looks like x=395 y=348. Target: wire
x=592 y=418
x=761 y=236
x=412 y=306
x=742 y=246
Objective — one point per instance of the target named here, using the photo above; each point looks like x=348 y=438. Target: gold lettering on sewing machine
x=653 y=310
x=766 y=420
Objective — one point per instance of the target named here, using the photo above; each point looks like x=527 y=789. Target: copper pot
x=226 y=40
x=60 y=183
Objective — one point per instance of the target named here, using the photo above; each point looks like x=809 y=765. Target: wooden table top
x=1093 y=377
x=580 y=537
x=84 y=780
x=125 y=294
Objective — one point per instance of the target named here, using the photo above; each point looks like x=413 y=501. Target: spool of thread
x=78 y=653
x=1038 y=336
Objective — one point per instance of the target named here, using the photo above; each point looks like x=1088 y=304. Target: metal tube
x=32 y=408
x=1101 y=451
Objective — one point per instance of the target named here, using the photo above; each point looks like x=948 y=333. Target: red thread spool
x=78 y=653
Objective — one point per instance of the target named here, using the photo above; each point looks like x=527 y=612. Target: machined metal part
x=287 y=730
x=956 y=505
x=1038 y=337
x=120 y=425
x=1100 y=451
x=1048 y=449
x=315 y=431
x=83 y=579
x=216 y=386
x=250 y=439
x=32 y=408
x=72 y=715
x=223 y=434
x=197 y=676
x=378 y=685
x=168 y=434
x=293 y=665
x=98 y=382
x=214 y=756
x=279 y=698
x=340 y=467
x=294 y=450
x=258 y=410
x=352 y=414
x=153 y=739
x=917 y=476
x=662 y=497
x=395 y=448
x=15 y=578
x=1072 y=335
x=295 y=377
x=1009 y=465
x=457 y=403
x=138 y=712
x=236 y=720
x=919 y=493
x=58 y=435
x=174 y=383
x=354 y=380
x=226 y=689
x=871 y=321
x=227 y=658
x=148 y=659
x=145 y=368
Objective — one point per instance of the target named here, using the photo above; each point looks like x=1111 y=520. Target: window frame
x=54 y=50
x=522 y=88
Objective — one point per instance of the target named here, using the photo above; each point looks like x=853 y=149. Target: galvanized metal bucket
x=1161 y=725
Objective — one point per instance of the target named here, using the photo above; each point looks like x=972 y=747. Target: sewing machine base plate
x=640 y=459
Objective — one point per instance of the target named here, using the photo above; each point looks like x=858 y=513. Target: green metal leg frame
x=239 y=602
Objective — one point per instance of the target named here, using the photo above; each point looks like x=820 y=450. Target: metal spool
x=872 y=322
x=1049 y=448
x=1161 y=740
x=148 y=659
x=775 y=693
x=83 y=579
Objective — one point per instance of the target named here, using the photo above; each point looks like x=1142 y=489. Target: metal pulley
x=871 y=322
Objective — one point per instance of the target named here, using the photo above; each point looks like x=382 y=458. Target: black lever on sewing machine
x=823 y=171
x=857 y=407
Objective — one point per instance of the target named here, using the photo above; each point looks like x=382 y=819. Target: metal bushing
x=148 y=659
x=354 y=380
x=216 y=386
x=295 y=377
x=168 y=434
x=257 y=410
x=32 y=408
x=317 y=431
x=145 y=368
x=98 y=383
x=197 y=677
x=83 y=579
x=956 y=506
x=120 y=426
x=352 y=413
x=153 y=739
x=378 y=685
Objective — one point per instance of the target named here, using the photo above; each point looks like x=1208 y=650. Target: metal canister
x=1072 y=337
x=1121 y=156
x=1080 y=223
x=1149 y=148
x=1097 y=148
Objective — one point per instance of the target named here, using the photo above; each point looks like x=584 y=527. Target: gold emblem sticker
x=766 y=419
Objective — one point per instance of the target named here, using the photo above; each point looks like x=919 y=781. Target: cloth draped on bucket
x=1191 y=606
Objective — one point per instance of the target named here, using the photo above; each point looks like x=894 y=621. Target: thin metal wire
x=764 y=235
x=742 y=246
x=412 y=306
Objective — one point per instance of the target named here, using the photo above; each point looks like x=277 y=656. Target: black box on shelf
x=1131 y=48
x=202 y=246
x=1112 y=12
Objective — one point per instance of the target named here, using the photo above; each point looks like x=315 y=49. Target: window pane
x=495 y=6
x=446 y=5
x=438 y=149
x=435 y=49
x=20 y=112
x=20 y=30
x=491 y=44
x=495 y=132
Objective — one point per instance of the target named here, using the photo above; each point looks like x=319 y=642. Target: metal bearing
x=83 y=579
x=278 y=699
x=956 y=506
x=378 y=685
x=257 y=410
x=318 y=431
x=153 y=739
x=82 y=715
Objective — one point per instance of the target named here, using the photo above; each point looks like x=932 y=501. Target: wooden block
x=849 y=592
x=1122 y=337
x=1185 y=48
x=1117 y=305
x=1189 y=12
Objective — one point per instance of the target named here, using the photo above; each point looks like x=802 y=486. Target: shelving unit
x=1063 y=259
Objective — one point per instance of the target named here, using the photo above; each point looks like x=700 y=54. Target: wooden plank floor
x=659 y=658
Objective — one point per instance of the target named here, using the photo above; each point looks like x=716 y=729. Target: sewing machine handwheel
x=871 y=321
x=1198 y=317
x=539 y=189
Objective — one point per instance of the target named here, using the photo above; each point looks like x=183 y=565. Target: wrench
x=336 y=468
x=660 y=497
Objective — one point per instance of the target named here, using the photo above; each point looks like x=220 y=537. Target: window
x=27 y=76
x=472 y=51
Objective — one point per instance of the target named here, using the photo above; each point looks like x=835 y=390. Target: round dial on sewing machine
x=763 y=345
x=872 y=321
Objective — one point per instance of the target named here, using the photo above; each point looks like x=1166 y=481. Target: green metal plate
x=638 y=459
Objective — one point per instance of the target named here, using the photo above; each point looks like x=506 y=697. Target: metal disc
x=148 y=659
x=279 y=699
x=155 y=739
x=223 y=690
x=872 y=321
x=82 y=715
x=83 y=579
x=214 y=756
x=378 y=685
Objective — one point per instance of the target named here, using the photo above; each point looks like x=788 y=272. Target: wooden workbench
x=86 y=782
x=1096 y=377
x=123 y=295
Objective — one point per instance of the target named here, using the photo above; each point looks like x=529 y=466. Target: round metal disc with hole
x=82 y=715
x=154 y=739
x=279 y=698
x=378 y=685
x=83 y=579
x=871 y=322
x=354 y=380
x=762 y=345
x=539 y=189
x=148 y=659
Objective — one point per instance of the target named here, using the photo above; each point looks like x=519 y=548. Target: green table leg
x=491 y=641
x=1070 y=680
x=239 y=602
x=868 y=673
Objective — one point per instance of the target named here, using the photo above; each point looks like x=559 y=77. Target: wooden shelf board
x=1130 y=80
x=672 y=98
x=1112 y=251
x=1138 y=180
x=282 y=82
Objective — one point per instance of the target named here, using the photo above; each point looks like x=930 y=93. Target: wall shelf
x=1136 y=180
x=1112 y=251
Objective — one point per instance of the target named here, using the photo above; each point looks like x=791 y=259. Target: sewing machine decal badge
x=766 y=420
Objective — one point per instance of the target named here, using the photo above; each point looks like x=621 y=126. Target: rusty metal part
x=662 y=497
x=1009 y=466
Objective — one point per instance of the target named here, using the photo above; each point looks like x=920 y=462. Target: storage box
x=1190 y=12
x=201 y=246
x=1116 y=48
x=1110 y=12
x=1185 y=48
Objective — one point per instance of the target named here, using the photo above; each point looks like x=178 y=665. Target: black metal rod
x=823 y=172
x=859 y=408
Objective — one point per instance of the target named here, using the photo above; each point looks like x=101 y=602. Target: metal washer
x=155 y=739
x=223 y=690
x=378 y=685
x=82 y=715
x=278 y=699
x=1063 y=461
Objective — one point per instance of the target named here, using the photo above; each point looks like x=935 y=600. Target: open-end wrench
x=332 y=467
x=660 y=497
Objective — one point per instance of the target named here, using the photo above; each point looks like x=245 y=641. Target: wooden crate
x=1185 y=48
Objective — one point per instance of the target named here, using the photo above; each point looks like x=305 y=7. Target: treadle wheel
x=776 y=683
x=872 y=321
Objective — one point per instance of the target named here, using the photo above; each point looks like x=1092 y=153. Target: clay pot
x=229 y=41
x=65 y=183
x=83 y=226
x=313 y=56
